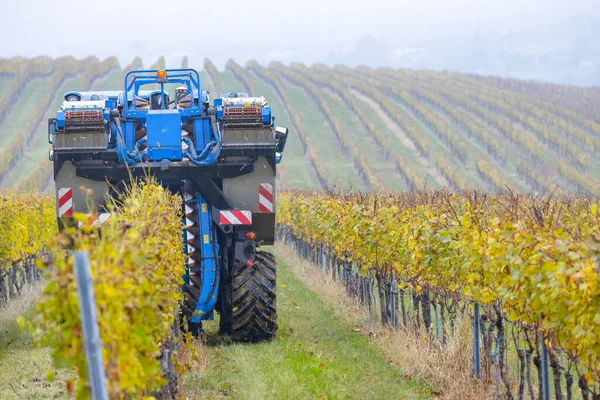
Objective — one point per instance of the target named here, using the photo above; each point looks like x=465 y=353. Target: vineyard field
x=436 y=236
x=369 y=129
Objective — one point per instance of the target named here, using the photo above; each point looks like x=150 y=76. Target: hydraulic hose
x=128 y=157
x=211 y=151
x=207 y=156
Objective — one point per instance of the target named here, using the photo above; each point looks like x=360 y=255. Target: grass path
x=314 y=356
x=23 y=367
x=318 y=354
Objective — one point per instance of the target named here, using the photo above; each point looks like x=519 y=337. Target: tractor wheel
x=254 y=313
x=224 y=306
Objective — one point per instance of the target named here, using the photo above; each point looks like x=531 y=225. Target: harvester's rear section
x=221 y=158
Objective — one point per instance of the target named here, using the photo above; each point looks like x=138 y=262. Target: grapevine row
x=363 y=169
x=447 y=169
x=328 y=78
x=582 y=181
x=491 y=176
x=213 y=76
x=433 y=122
x=66 y=69
x=241 y=76
x=40 y=67
x=539 y=181
x=96 y=69
x=509 y=106
x=159 y=64
x=531 y=259
x=485 y=170
x=537 y=110
x=273 y=80
x=538 y=118
x=27 y=223
x=579 y=106
x=502 y=125
x=136 y=63
x=346 y=76
x=451 y=175
x=36 y=180
x=584 y=184
x=475 y=130
x=137 y=264
x=9 y=65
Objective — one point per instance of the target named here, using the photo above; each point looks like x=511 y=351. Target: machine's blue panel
x=209 y=251
x=164 y=134
x=60 y=117
x=129 y=133
x=266 y=114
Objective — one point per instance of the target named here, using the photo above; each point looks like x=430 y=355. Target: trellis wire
x=372 y=289
x=15 y=275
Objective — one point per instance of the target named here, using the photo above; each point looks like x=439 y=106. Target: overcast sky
x=239 y=28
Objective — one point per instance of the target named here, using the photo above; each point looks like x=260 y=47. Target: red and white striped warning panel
x=265 y=198
x=65 y=202
x=235 y=217
x=96 y=219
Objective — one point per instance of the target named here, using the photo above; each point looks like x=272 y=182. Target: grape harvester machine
x=220 y=157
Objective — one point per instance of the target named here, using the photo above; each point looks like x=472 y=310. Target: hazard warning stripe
x=235 y=217
x=96 y=219
x=65 y=202
x=265 y=198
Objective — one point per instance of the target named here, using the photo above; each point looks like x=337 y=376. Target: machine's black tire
x=254 y=312
x=224 y=306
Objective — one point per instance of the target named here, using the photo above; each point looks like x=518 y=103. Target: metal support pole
x=89 y=322
x=476 y=342
x=372 y=291
x=545 y=370
x=497 y=368
x=392 y=305
x=35 y=272
x=437 y=323
x=364 y=289
x=322 y=258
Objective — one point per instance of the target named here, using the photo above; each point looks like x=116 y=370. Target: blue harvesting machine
x=220 y=157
